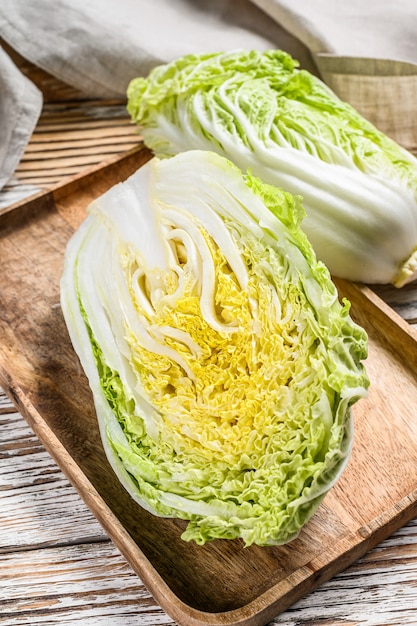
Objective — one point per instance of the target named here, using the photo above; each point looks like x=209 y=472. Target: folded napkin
x=364 y=50
x=20 y=106
x=100 y=45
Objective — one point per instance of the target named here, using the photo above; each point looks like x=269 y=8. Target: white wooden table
x=57 y=565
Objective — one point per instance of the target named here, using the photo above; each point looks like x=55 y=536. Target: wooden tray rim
x=279 y=596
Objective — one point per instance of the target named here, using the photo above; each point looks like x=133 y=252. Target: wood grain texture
x=403 y=301
x=31 y=485
x=74 y=584
x=72 y=136
x=222 y=582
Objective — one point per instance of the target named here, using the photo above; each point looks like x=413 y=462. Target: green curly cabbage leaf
x=359 y=187
x=222 y=364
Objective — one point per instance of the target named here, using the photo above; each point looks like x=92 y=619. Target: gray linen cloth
x=20 y=106
x=98 y=46
x=366 y=51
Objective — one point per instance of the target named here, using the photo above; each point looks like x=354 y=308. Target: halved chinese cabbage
x=359 y=187
x=223 y=366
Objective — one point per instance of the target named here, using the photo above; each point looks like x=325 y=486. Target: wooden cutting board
x=222 y=582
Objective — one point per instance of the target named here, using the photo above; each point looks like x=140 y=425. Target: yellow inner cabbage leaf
x=242 y=384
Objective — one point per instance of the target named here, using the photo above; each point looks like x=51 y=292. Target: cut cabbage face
x=222 y=365
x=359 y=187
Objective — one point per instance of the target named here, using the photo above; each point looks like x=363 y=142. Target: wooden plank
x=81 y=584
x=69 y=138
x=87 y=146
x=89 y=122
x=67 y=162
x=403 y=301
x=66 y=135
x=39 y=507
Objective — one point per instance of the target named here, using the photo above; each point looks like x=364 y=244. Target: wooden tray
x=222 y=583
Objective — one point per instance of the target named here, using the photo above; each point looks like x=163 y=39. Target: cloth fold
x=100 y=45
x=20 y=107
x=365 y=51
x=378 y=29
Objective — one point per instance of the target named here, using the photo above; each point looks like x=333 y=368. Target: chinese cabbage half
x=222 y=365
x=359 y=187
